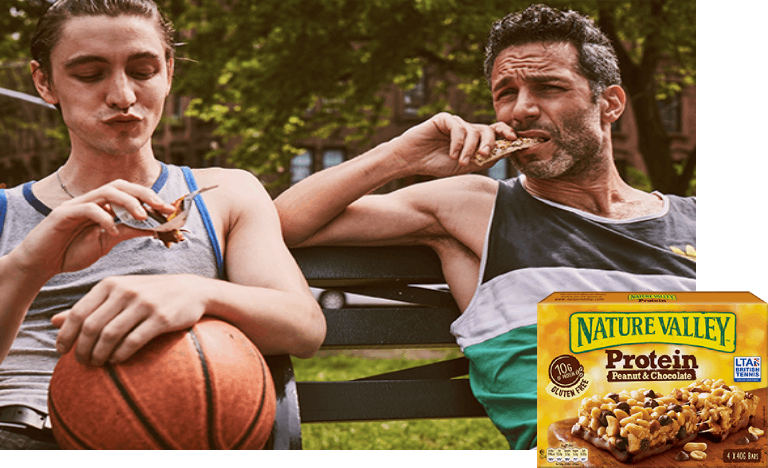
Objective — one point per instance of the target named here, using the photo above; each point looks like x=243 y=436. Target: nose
x=120 y=94
x=526 y=108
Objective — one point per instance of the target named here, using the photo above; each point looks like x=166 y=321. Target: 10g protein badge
x=672 y=379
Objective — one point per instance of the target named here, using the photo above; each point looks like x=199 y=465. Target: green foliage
x=18 y=19
x=271 y=73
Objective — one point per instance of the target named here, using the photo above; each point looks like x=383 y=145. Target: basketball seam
x=257 y=417
x=208 y=391
x=63 y=426
x=136 y=410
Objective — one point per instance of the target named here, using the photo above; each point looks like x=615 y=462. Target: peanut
x=757 y=432
x=695 y=446
x=698 y=455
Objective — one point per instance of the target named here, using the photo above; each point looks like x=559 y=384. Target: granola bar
x=721 y=409
x=636 y=424
x=503 y=148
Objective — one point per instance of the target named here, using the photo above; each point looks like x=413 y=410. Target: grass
x=451 y=434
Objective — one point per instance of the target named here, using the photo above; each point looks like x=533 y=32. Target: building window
x=332 y=157
x=177 y=106
x=670 y=113
x=301 y=166
x=415 y=97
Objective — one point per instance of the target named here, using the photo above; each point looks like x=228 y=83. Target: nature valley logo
x=652 y=297
x=597 y=330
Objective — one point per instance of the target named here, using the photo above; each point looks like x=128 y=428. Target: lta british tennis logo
x=747 y=369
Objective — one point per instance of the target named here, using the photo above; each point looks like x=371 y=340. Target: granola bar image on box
x=721 y=409
x=636 y=424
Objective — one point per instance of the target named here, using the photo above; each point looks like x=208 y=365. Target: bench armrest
x=286 y=433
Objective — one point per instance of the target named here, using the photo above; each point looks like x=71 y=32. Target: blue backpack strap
x=3 y=209
x=192 y=184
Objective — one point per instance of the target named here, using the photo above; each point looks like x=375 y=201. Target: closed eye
x=143 y=75
x=505 y=93
x=89 y=78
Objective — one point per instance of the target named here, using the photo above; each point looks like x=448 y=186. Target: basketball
x=207 y=387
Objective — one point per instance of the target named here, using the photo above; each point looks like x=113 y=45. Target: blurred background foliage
x=269 y=73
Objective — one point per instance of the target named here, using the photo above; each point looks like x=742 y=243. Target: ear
x=612 y=103
x=43 y=83
x=170 y=76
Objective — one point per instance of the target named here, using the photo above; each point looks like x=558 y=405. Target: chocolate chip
x=655 y=426
x=624 y=406
x=603 y=419
x=650 y=403
x=650 y=394
x=682 y=456
x=697 y=390
x=644 y=444
x=748 y=395
x=742 y=441
x=621 y=443
x=675 y=408
x=665 y=420
x=614 y=397
x=726 y=388
x=681 y=433
x=751 y=437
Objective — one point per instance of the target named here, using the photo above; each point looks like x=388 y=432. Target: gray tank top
x=26 y=371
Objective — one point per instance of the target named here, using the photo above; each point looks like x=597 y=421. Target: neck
x=602 y=193
x=83 y=174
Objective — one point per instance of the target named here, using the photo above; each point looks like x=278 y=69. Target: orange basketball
x=204 y=388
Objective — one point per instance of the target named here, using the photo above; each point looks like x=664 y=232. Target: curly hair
x=596 y=59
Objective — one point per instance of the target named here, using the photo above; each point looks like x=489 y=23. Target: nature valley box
x=652 y=379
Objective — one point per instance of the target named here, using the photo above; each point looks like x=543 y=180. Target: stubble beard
x=576 y=155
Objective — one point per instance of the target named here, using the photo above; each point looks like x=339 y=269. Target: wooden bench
x=423 y=392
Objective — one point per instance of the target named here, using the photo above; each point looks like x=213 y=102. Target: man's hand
x=445 y=144
x=122 y=314
x=80 y=231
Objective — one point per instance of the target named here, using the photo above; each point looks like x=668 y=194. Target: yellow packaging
x=652 y=379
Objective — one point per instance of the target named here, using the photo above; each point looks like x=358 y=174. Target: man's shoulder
x=237 y=191
x=222 y=174
x=468 y=183
x=462 y=192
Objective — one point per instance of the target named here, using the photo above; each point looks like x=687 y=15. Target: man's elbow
x=311 y=334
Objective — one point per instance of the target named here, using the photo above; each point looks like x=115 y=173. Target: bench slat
x=324 y=266
x=373 y=400
x=404 y=293
x=430 y=391
x=406 y=327
x=437 y=370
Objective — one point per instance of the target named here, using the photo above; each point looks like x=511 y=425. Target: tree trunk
x=654 y=142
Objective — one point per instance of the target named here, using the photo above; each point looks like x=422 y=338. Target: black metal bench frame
x=424 y=392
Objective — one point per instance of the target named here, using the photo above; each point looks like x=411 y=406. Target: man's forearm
x=315 y=201
x=18 y=288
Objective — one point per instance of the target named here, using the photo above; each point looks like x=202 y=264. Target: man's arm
x=72 y=237
x=330 y=207
x=266 y=296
